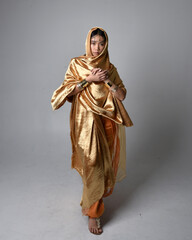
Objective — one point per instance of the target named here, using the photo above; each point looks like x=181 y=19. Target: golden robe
x=92 y=155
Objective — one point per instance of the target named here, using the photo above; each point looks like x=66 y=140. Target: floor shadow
x=143 y=161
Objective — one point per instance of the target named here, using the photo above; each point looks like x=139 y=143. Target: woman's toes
x=94 y=227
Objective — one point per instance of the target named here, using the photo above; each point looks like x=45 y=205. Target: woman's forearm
x=96 y=77
x=120 y=94
x=117 y=92
x=75 y=91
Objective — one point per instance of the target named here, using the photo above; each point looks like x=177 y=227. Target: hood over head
x=102 y=60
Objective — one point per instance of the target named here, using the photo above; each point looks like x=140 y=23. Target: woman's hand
x=95 y=70
x=97 y=75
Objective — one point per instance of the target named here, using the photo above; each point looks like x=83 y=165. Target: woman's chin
x=96 y=54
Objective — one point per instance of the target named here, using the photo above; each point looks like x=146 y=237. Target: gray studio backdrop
x=149 y=43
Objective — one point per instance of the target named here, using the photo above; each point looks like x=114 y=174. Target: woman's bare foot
x=94 y=226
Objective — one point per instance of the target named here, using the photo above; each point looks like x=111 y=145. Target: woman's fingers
x=95 y=70
x=103 y=76
x=106 y=73
x=99 y=74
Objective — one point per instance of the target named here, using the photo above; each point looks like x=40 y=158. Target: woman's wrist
x=82 y=84
x=88 y=79
x=108 y=83
x=112 y=87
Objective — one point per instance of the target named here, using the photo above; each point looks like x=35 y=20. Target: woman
x=97 y=122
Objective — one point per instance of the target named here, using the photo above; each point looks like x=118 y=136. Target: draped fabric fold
x=91 y=151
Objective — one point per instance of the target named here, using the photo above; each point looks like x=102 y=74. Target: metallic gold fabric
x=91 y=155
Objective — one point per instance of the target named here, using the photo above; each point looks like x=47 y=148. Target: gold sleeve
x=60 y=95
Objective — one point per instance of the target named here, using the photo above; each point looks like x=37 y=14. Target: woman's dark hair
x=98 y=32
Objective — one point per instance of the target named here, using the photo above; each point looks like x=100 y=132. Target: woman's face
x=97 y=45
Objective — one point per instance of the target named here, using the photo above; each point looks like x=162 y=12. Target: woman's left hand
x=95 y=70
x=99 y=70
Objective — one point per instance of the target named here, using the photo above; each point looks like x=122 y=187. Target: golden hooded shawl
x=90 y=150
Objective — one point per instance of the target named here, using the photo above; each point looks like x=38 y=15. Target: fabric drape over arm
x=95 y=97
x=60 y=95
x=115 y=78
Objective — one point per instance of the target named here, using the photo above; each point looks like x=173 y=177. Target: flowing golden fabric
x=91 y=154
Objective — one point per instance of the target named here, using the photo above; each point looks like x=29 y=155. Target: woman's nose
x=97 y=46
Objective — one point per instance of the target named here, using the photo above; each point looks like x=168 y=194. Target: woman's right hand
x=97 y=76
